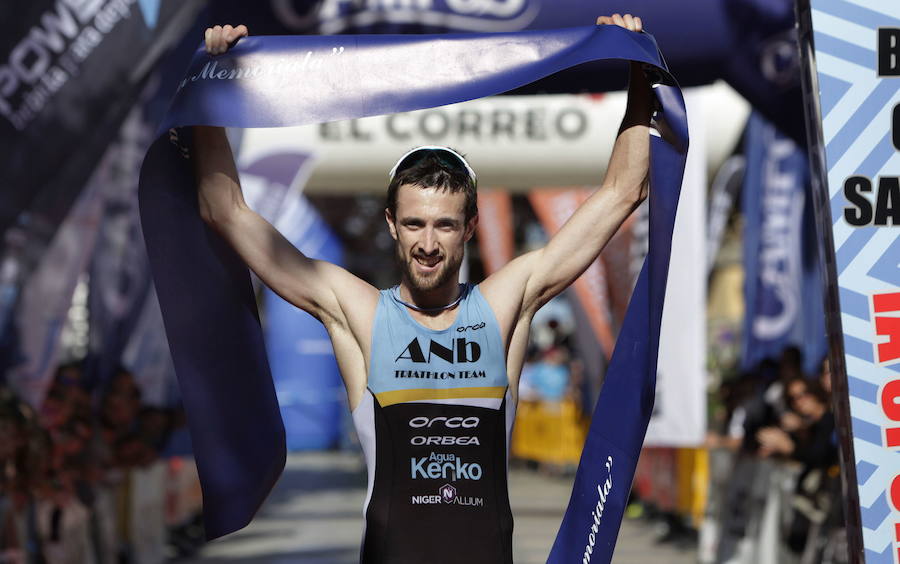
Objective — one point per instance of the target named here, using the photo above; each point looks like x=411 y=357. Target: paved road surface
x=314 y=516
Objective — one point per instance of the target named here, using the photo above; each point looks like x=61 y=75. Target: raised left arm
x=520 y=288
x=578 y=243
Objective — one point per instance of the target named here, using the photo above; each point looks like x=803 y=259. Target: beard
x=448 y=269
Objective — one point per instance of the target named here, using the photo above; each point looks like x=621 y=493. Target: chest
x=407 y=354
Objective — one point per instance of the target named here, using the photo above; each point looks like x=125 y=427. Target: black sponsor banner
x=764 y=66
x=69 y=72
x=119 y=269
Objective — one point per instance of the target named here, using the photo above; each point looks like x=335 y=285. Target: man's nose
x=428 y=242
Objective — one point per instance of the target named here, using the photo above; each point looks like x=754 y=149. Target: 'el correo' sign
x=517 y=142
x=513 y=141
x=455 y=124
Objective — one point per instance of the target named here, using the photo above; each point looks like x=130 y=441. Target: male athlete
x=431 y=366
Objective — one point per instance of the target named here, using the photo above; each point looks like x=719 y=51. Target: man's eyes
x=443 y=225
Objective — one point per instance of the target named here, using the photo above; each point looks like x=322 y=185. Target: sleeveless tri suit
x=434 y=425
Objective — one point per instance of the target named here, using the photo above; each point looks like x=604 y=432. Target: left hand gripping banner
x=204 y=289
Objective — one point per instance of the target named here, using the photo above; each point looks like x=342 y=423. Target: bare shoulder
x=354 y=300
x=348 y=312
x=506 y=292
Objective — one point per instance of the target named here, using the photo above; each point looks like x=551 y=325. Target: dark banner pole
x=819 y=177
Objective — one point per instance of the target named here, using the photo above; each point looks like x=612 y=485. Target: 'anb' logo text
x=460 y=350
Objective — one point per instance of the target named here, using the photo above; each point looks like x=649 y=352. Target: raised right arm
x=344 y=303
x=315 y=286
x=307 y=283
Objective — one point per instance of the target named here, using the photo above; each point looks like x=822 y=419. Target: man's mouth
x=427 y=264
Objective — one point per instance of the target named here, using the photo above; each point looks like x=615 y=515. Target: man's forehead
x=413 y=199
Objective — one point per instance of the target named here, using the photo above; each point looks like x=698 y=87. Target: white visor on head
x=438 y=148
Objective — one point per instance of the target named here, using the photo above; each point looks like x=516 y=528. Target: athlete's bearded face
x=431 y=230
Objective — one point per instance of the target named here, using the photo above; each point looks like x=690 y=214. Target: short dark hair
x=432 y=172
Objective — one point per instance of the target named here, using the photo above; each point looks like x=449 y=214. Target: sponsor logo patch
x=459 y=351
x=447 y=495
x=448 y=422
x=444 y=440
x=441 y=466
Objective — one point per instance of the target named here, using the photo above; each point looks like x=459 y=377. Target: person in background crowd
x=12 y=441
x=549 y=427
x=551 y=375
x=790 y=368
x=789 y=438
x=735 y=397
x=120 y=403
x=828 y=539
x=806 y=435
x=805 y=431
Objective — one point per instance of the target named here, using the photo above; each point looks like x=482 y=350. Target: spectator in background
x=767 y=409
x=12 y=441
x=805 y=435
x=829 y=539
x=805 y=431
x=788 y=431
x=550 y=426
x=137 y=434
x=551 y=376
x=119 y=406
x=762 y=407
x=790 y=368
x=63 y=502
x=735 y=397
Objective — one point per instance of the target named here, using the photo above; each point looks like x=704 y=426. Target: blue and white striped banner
x=857 y=49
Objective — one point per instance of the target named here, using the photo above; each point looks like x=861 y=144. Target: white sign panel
x=679 y=416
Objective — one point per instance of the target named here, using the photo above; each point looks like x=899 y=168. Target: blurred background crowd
x=91 y=481
x=741 y=463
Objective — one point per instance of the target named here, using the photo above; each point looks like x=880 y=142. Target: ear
x=470 y=227
x=392 y=227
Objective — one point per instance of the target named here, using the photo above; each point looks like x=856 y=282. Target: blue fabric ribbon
x=204 y=288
